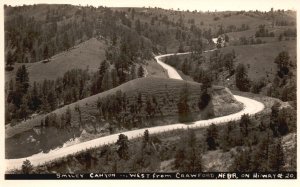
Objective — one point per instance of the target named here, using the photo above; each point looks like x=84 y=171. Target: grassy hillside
x=165 y=91
x=260 y=58
x=87 y=55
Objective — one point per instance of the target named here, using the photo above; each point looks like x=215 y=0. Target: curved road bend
x=250 y=107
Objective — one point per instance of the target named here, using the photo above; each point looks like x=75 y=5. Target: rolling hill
x=166 y=92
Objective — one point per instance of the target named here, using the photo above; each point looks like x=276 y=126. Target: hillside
x=260 y=58
x=166 y=93
x=86 y=55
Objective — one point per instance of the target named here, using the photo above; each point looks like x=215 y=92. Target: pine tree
x=212 y=137
x=138 y=26
x=114 y=78
x=22 y=80
x=46 y=52
x=188 y=156
x=141 y=72
x=66 y=43
x=276 y=157
x=184 y=67
x=123 y=149
x=35 y=101
x=106 y=81
x=21 y=86
x=180 y=48
x=133 y=72
x=68 y=116
x=24 y=110
x=27 y=167
x=244 y=124
x=283 y=63
x=9 y=60
x=184 y=113
x=241 y=78
x=146 y=136
x=52 y=100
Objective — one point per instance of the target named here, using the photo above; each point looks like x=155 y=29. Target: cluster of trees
x=232 y=28
x=284 y=83
x=192 y=65
x=242 y=81
x=287 y=34
x=263 y=32
x=267 y=157
x=253 y=153
x=250 y=41
x=282 y=120
x=116 y=109
x=23 y=99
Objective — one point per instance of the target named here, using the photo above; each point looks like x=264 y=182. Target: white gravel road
x=250 y=107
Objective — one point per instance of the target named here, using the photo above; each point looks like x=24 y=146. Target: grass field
x=88 y=54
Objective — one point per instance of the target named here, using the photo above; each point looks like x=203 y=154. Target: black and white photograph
x=185 y=90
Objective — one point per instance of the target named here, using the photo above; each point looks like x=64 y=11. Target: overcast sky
x=203 y=5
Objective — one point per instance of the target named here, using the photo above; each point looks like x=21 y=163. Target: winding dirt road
x=250 y=107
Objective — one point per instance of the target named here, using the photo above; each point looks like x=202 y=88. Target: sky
x=203 y=5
